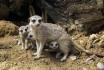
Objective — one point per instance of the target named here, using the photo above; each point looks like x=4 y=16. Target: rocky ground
x=12 y=57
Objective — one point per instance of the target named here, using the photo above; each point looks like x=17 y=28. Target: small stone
x=84 y=68
x=93 y=36
x=72 y=57
x=90 y=59
x=100 y=65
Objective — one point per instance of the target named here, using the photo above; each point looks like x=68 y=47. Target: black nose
x=31 y=36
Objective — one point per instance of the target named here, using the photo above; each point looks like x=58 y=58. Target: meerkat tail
x=81 y=49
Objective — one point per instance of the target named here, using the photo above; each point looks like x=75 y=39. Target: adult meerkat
x=44 y=32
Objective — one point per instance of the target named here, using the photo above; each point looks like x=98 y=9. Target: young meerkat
x=54 y=46
x=44 y=32
x=23 y=34
x=31 y=40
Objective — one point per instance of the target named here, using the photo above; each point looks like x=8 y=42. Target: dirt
x=12 y=57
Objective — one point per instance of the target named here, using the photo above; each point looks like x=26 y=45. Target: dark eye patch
x=21 y=30
x=56 y=44
x=33 y=21
x=39 y=20
x=25 y=29
x=51 y=44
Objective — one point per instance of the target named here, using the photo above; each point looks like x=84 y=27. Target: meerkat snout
x=29 y=37
x=21 y=31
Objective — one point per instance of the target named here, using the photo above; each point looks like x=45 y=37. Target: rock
x=100 y=65
x=72 y=57
x=8 y=28
x=84 y=68
x=93 y=36
x=90 y=59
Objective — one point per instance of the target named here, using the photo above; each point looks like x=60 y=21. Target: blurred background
x=53 y=10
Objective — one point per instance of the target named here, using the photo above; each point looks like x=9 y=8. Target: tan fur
x=24 y=37
x=44 y=32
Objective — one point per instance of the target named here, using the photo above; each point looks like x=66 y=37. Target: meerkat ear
x=29 y=19
x=27 y=27
x=42 y=19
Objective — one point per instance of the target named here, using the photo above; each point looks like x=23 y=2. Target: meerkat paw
x=26 y=48
x=18 y=43
x=62 y=59
x=36 y=57
x=34 y=54
x=22 y=48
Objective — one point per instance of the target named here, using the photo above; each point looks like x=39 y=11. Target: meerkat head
x=35 y=20
x=53 y=45
x=23 y=29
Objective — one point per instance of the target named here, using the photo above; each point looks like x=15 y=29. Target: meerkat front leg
x=19 y=42
x=37 y=47
x=23 y=43
x=64 y=57
x=40 y=48
x=33 y=46
x=26 y=44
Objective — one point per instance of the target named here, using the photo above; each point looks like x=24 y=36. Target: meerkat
x=31 y=40
x=50 y=46
x=23 y=33
x=44 y=32
x=53 y=46
x=24 y=40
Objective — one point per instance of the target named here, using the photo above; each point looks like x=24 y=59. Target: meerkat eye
x=51 y=44
x=40 y=20
x=25 y=29
x=56 y=44
x=20 y=30
x=33 y=21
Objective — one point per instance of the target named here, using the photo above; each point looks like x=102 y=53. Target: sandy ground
x=13 y=58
